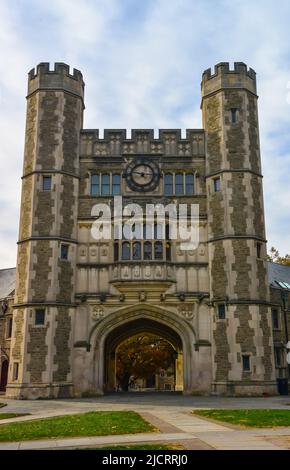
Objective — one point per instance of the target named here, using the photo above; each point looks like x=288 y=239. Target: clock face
x=142 y=175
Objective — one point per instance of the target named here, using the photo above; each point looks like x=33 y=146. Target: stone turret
x=224 y=77
x=242 y=359
x=44 y=298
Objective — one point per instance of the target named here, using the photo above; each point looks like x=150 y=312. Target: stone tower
x=40 y=363
x=241 y=330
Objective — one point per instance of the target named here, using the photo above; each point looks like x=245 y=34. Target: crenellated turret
x=58 y=78
x=238 y=77
x=46 y=265
x=236 y=229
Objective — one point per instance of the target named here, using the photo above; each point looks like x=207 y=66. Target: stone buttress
x=241 y=336
x=40 y=364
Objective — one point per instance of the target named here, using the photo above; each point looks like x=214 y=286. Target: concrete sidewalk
x=185 y=428
x=79 y=442
x=175 y=422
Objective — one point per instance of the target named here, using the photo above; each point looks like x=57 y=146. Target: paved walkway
x=171 y=414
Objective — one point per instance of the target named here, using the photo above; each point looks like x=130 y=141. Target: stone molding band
x=133 y=263
x=37 y=90
x=56 y=238
x=43 y=172
x=226 y=89
x=45 y=303
x=238 y=170
x=237 y=237
x=241 y=302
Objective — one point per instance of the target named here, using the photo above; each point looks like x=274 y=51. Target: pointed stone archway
x=128 y=330
x=135 y=318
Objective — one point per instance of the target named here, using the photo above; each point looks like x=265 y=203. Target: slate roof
x=278 y=272
x=7 y=282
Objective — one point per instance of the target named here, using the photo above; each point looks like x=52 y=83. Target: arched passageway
x=168 y=380
x=94 y=370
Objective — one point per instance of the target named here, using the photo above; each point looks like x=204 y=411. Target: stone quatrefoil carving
x=98 y=313
x=186 y=312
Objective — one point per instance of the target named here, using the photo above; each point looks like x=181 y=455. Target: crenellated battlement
x=142 y=141
x=57 y=78
x=59 y=68
x=223 y=68
x=143 y=134
x=240 y=76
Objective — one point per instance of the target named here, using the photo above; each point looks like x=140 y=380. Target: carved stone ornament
x=97 y=313
x=186 y=312
x=142 y=296
x=4 y=307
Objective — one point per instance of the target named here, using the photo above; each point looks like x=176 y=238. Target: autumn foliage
x=275 y=257
x=141 y=356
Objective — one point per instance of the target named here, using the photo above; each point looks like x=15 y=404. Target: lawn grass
x=12 y=415
x=256 y=418
x=101 y=423
x=139 y=447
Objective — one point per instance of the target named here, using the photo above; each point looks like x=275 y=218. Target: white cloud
x=82 y=25
x=14 y=59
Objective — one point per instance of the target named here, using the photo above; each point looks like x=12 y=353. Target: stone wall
x=37 y=350
x=63 y=345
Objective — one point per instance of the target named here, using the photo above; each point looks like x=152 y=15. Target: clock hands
x=142 y=173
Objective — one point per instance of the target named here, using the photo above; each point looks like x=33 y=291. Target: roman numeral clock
x=142 y=175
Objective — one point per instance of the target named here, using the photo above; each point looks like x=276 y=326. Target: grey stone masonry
x=77 y=298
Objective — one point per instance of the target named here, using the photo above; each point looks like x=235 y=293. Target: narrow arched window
x=95 y=188
x=116 y=188
x=168 y=251
x=105 y=187
x=136 y=250
x=138 y=231
x=159 y=230
x=167 y=231
x=179 y=190
x=116 y=251
x=217 y=184
x=126 y=251
x=189 y=184
x=148 y=231
x=158 y=250
x=234 y=115
x=168 y=184
x=147 y=251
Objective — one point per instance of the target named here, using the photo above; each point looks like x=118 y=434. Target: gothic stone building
x=77 y=298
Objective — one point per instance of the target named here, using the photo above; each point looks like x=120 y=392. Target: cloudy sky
x=142 y=62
